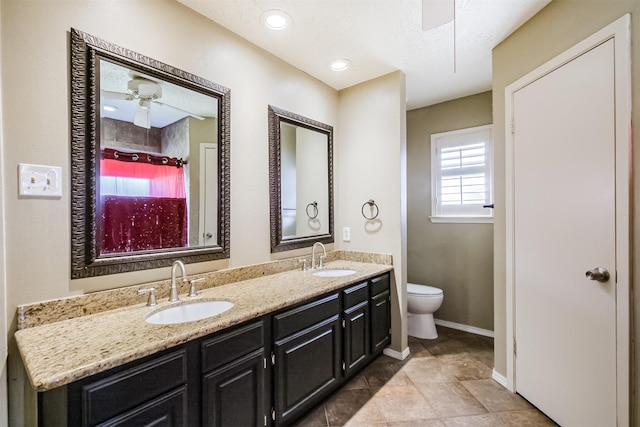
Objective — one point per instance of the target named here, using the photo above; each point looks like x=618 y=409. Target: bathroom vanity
x=266 y=367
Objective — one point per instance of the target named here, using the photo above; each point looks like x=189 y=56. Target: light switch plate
x=346 y=234
x=39 y=181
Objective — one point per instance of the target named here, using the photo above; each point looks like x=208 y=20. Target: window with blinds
x=461 y=172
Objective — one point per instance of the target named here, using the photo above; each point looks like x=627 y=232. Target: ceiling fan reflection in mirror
x=146 y=92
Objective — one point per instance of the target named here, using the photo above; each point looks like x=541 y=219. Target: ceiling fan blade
x=195 y=116
x=107 y=94
x=436 y=13
x=143 y=115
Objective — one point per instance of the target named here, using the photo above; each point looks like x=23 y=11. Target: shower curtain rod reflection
x=126 y=156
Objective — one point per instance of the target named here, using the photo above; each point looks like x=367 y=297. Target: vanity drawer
x=355 y=295
x=120 y=392
x=306 y=315
x=228 y=346
x=380 y=284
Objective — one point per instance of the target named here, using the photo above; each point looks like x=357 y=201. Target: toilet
x=422 y=302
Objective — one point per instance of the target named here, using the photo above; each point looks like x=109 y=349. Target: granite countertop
x=61 y=352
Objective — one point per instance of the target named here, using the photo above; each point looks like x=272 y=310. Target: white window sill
x=461 y=219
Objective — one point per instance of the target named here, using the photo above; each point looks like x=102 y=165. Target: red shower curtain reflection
x=150 y=221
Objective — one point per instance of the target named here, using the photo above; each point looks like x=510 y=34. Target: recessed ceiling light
x=110 y=108
x=339 y=64
x=276 y=19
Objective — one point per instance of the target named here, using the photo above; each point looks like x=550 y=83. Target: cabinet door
x=380 y=322
x=123 y=390
x=227 y=346
x=233 y=395
x=356 y=337
x=169 y=410
x=380 y=313
x=307 y=367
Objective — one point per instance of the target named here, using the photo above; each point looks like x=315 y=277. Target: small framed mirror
x=301 y=180
x=149 y=162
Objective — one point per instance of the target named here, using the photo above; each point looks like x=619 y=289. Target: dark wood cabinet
x=168 y=410
x=234 y=378
x=151 y=391
x=380 y=313
x=234 y=394
x=265 y=372
x=356 y=323
x=306 y=356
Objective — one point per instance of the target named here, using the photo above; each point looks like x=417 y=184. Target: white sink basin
x=188 y=312
x=333 y=273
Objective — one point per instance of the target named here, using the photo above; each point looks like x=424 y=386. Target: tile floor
x=445 y=382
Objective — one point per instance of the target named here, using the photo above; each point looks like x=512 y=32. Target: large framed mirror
x=150 y=172
x=301 y=180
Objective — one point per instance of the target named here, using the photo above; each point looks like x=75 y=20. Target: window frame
x=453 y=138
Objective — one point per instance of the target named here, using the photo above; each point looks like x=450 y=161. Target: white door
x=564 y=225
x=208 y=214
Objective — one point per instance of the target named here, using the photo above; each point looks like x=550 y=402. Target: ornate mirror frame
x=276 y=117
x=86 y=261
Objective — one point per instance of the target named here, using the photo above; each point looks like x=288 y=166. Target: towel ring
x=371 y=204
x=315 y=210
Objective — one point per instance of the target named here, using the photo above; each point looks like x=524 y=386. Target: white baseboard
x=500 y=379
x=396 y=354
x=466 y=328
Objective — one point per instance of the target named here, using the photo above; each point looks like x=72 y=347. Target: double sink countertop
x=63 y=351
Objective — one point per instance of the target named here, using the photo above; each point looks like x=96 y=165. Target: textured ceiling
x=379 y=37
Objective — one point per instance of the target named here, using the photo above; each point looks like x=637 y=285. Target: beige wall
x=458 y=258
x=562 y=24
x=3 y=296
x=370 y=165
x=35 y=83
x=39 y=229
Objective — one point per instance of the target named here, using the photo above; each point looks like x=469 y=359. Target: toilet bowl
x=422 y=302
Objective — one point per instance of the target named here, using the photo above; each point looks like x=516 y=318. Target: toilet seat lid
x=413 y=288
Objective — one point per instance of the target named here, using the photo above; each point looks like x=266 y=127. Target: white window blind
x=461 y=169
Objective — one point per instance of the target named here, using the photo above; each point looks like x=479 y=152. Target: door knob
x=208 y=235
x=598 y=274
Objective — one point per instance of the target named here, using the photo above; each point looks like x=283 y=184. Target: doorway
x=567 y=213
x=208 y=206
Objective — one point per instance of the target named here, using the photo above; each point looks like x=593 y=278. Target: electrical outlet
x=346 y=234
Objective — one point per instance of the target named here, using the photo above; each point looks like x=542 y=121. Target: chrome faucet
x=174 y=287
x=313 y=255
